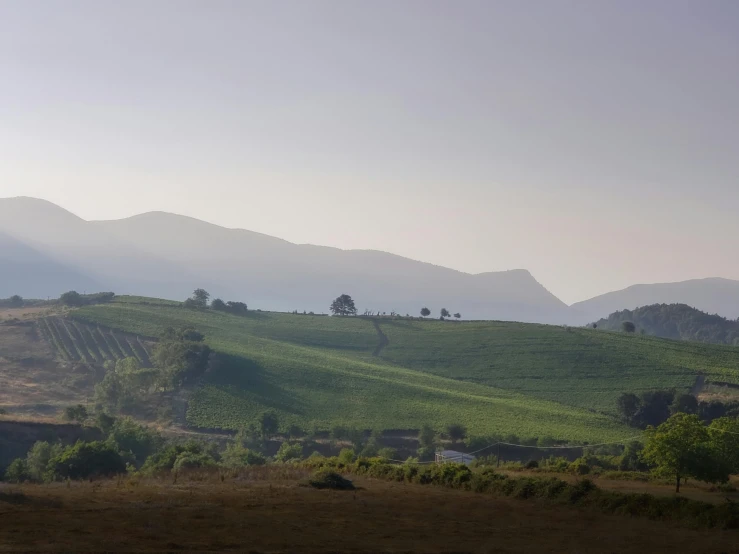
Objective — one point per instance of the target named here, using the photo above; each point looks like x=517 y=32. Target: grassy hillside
x=529 y=380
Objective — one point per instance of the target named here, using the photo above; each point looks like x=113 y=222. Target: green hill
x=528 y=380
x=676 y=321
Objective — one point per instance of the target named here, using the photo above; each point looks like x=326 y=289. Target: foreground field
x=267 y=510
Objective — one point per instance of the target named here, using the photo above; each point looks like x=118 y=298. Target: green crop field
x=506 y=378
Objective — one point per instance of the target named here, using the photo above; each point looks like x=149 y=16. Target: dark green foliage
x=181 y=356
x=650 y=408
x=236 y=308
x=457 y=432
x=87 y=459
x=164 y=459
x=192 y=460
x=15 y=301
x=269 y=424
x=677 y=321
x=628 y=327
x=105 y=422
x=425 y=312
x=457 y=315
x=532 y=464
x=75 y=413
x=17 y=471
x=218 y=305
x=682 y=447
x=445 y=313
x=327 y=479
x=343 y=305
x=289 y=452
x=685 y=403
x=199 y=299
x=128 y=436
x=71 y=298
x=236 y=455
x=74 y=299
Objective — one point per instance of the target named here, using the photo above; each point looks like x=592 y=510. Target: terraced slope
x=530 y=380
x=74 y=341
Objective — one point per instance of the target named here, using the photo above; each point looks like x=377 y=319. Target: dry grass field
x=269 y=510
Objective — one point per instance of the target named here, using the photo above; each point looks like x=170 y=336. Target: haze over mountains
x=45 y=250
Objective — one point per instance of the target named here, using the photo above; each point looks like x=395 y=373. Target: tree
x=425 y=312
x=237 y=308
x=628 y=405
x=445 y=313
x=681 y=447
x=457 y=315
x=343 y=305
x=236 y=455
x=724 y=433
x=218 y=305
x=594 y=325
x=72 y=299
x=685 y=403
x=427 y=437
x=16 y=301
x=87 y=459
x=129 y=436
x=75 y=413
x=17 y=471
x=268 y=424
x=457 y=432
x=200 y=298
x=628 y=327
x=38 y=459
x=289 y=452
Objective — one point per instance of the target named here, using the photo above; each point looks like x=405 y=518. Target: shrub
x=192 y=460
x=17 y=471
x=580 y=467
x=289 y=452
x=87 y=459
x=346 y=456
x=236 y=455
x=327 y=479
x=75 y=413
x=532 y=464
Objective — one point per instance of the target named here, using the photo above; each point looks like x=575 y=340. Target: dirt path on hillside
x=384 y=341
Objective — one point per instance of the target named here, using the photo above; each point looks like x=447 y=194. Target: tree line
x=200 y=298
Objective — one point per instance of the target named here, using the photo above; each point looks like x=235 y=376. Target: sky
x=591 y=142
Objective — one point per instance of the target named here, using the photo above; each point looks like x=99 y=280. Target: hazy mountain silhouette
x=713 y=296
x=166 y=255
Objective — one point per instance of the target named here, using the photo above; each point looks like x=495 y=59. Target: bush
x=346 y=456
x=87 y=459
x=192 y=460
x=289 y=452
x=532 y=464
x=327 y=479
x=75 y=413
x=580 y=467
x=236 y=455
x=17 y=471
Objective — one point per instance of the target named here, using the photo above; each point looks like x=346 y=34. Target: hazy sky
x=595 y=143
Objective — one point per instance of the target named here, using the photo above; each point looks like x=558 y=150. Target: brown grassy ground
x=254 y=514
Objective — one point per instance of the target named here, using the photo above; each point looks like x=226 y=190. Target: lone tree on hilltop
x=343 y=305
x=457 y=315
x=425 y=312
x=445 y=313
x=628 y=327
x=200 y=298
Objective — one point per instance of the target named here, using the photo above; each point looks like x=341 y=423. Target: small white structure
x=445 y=456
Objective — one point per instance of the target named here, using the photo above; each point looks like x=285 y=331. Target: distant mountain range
x=675 y=321
x=713 y=296
x=46 y=250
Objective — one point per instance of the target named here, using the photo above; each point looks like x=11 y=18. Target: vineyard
x=77 y=342
x=493 y=377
